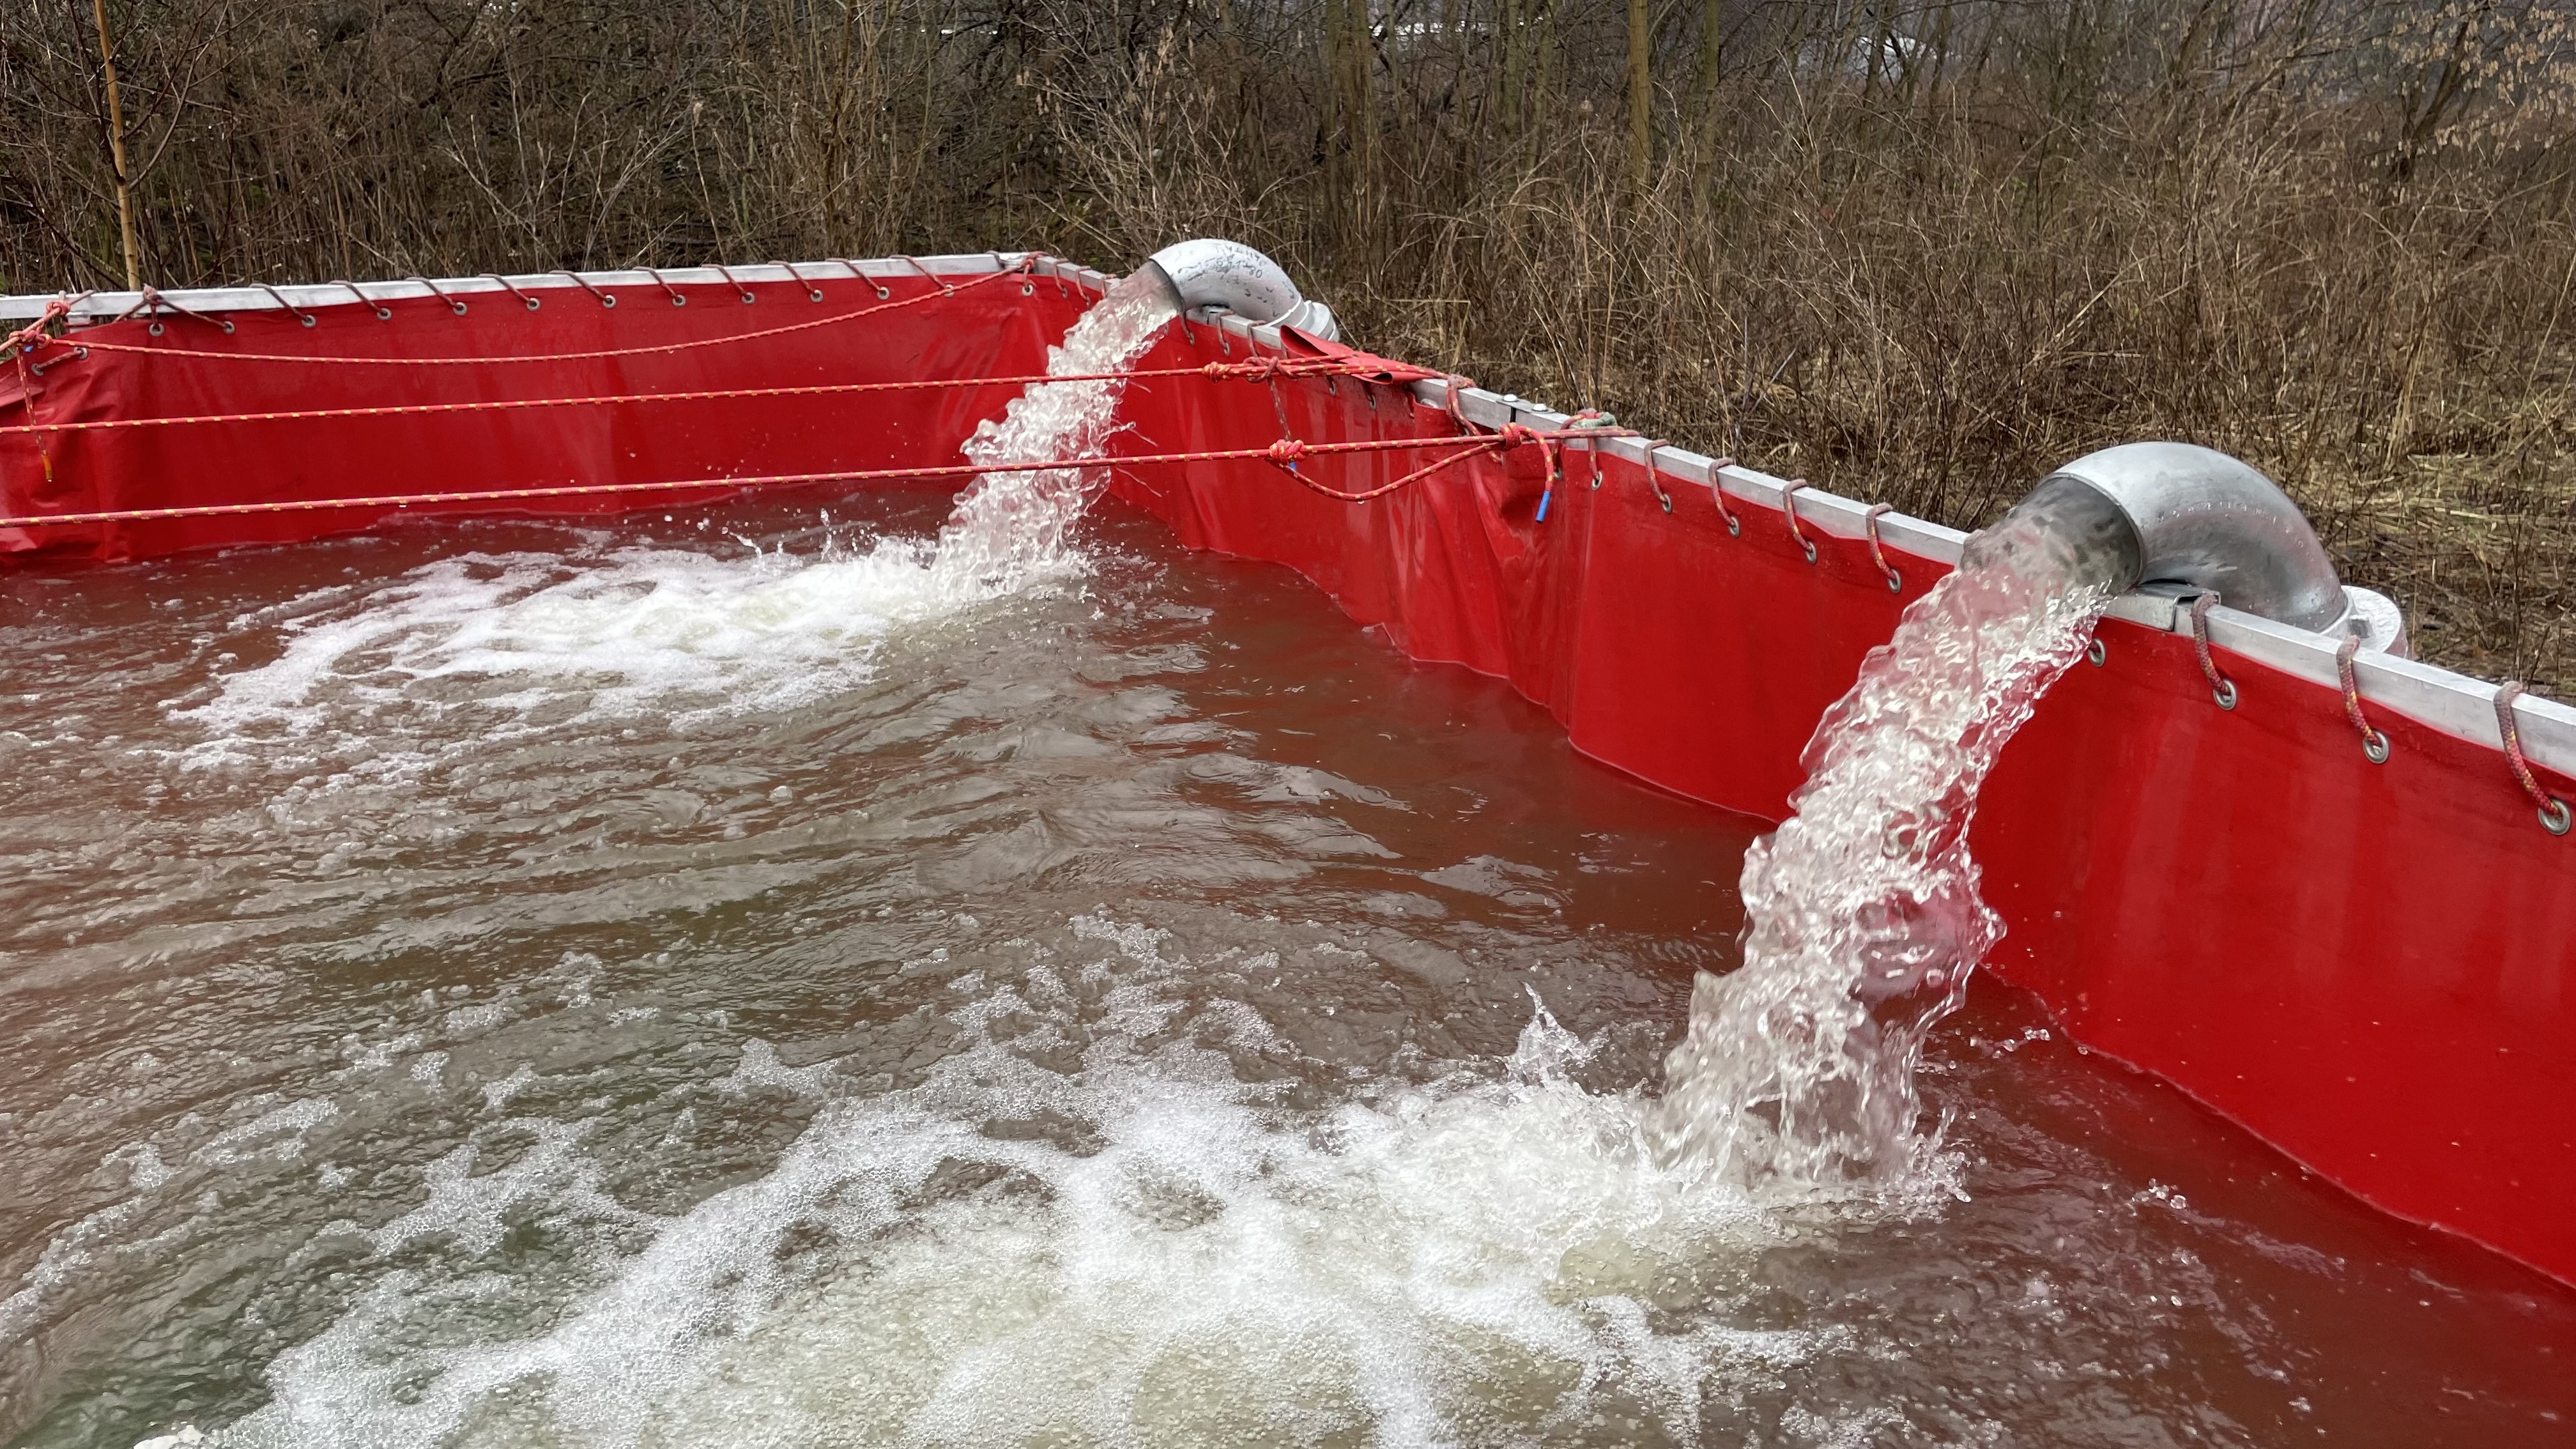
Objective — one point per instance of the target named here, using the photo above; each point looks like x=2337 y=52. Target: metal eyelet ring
x=2095 y=654
x=2555 y=816
x=533 y=303
x=1665 y=499
x=2225 y=694
x=679 y=301
x=2374 y=748
x=1028 y=289
x=154 y=329
x=608 y=299
x=884 y=291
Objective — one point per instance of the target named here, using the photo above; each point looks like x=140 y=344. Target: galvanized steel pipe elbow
x=1211 y=272
x=2172 y=513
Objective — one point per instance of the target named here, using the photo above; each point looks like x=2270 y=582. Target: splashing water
x=1796 y=1075
x=1009 y=526
x=527 y=640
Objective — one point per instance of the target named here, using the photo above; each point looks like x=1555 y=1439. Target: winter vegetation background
x=1910 y=250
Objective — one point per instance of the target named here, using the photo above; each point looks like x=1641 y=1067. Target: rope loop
x=883 y=291
x=525 y=300
x=1717 y=491
x=454 y=304
x=936 y=280
x=2554 y=814
x=2221 y=688
x=1286 y=452
x=156 y=302
x=739 y=289
x=2374 y=745
x=1877 y=554
x=383 y=312
x=812 y=293
x=29 y=338
x=1455 y=381
x=677 y=300
x=37 y=369
x=307 y=318
x=1652 y=482
x=1789 y=509
x=606 y=299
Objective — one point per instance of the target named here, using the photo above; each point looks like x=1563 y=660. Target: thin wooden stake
x=116 y=151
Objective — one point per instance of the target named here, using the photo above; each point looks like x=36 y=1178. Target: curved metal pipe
x=1211 y=272
x=2150 y=513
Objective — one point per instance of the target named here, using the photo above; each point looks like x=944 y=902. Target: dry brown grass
x=1918 y=250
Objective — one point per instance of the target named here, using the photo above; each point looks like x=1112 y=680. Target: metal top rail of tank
x=95 y=307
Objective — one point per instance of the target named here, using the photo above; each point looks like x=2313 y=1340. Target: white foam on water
x=1797 y=1074
x=1186 y=1261
x=615 y=632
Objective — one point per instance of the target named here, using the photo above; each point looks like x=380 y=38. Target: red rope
x=1789 y=509
x=2554 y=814
x=1287 y=448
x=19 y=344
x=1717 y=490
x=1287 y=451
x=2221 y=688
x=2374 y=745
x=1877 y=554
x=1310 y=367
x=1025 y=265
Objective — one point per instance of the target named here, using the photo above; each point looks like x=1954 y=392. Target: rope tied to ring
x=34 y=335
x=1717 y=492
x=153 y=300
x=1653 y=483
x=1789 y=510
x=2374 y=745
x=2554 y=814
x=1877 y=554
x=2221 y=688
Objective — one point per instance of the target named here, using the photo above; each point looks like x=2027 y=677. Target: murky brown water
x=508 y=984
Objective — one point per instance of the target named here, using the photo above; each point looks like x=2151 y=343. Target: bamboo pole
x=116 y=151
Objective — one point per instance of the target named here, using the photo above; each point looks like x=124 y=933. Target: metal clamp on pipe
x=2172 y=517
x=1222 y=275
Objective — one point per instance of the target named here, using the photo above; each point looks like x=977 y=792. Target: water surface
x=690 y=981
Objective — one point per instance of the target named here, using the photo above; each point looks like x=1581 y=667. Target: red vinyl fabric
x=2367 y=965
x=2373 y=967
x=990 y=327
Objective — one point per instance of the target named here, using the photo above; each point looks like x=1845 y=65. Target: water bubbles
x=1863 y=920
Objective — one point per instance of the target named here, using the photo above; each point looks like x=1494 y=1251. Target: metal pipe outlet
x=2171 y=513
x=1211 y=272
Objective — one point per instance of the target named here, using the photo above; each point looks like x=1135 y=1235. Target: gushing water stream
x=1796 y=1074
